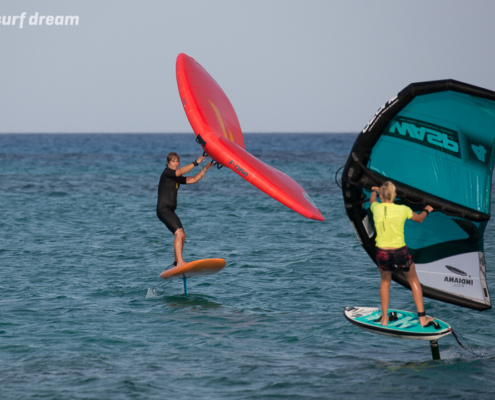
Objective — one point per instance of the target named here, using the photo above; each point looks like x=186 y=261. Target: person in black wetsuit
x=170 y=180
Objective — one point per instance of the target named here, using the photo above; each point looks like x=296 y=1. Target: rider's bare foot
x=181 y=263
x=384 y=321
x=424 y=321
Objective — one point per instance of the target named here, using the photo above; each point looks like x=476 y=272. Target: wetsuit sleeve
x=169 y=173
x=182 y=180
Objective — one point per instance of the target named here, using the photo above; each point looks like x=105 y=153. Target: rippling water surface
x=80 y=248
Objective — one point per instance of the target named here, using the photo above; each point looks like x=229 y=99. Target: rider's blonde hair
x=387 y=190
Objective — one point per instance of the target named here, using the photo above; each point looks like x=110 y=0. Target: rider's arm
x=186 y=168
x=422 y=215
x=199 y=175
x=374 y=191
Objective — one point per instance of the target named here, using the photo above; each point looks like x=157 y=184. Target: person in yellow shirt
x=391 y=249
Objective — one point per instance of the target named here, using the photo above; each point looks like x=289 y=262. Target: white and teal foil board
x=407 y=325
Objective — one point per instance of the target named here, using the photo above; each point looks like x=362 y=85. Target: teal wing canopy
x=435 y=141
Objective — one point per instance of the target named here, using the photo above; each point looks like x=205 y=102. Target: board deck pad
x=407 y=325
x=195 y=268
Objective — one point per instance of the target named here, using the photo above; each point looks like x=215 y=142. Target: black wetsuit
x=167 y=199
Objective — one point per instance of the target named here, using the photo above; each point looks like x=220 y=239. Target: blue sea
x=81 y=248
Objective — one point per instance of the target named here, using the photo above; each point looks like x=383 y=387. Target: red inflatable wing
x=215 y=123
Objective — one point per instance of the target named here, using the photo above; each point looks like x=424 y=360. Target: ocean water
x=80 y=248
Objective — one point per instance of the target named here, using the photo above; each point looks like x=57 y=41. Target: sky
x=305 y=66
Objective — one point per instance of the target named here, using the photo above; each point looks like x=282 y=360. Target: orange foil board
x=195 y=268
x=213 y=117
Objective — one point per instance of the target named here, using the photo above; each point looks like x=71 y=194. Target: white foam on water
x=151 y=293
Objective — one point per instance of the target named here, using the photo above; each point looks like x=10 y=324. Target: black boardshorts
x=169 y=218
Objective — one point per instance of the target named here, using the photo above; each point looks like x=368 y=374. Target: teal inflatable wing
x=435 y=142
